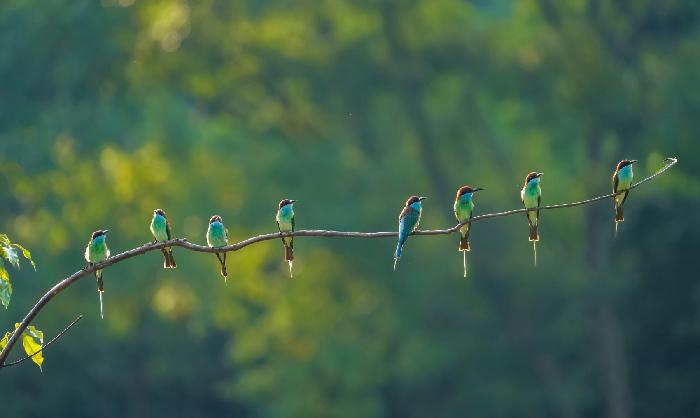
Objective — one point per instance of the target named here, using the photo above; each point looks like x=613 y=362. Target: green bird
x=95 y=252
x=217 y=236
x=285 y=223
x=409 y=218
x=463 y=208
x=621 y=182
x=160 y=228
x=531 y=195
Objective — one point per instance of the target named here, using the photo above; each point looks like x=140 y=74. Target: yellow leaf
x=3 y=342
x=32 y=341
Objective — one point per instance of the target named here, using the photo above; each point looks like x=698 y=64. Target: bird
x=160 y=228
x=95 y=252
x=463 y=208
x=408 y=222
x=621 y=182
x=217 y=236
x=531 y=195
x=285 y=223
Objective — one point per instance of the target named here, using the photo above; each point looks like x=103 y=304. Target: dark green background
x=109 y=110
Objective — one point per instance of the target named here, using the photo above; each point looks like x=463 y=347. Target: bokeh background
x=110 y=109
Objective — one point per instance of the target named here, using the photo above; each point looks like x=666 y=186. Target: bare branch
x=180 y=242
x=45 y=346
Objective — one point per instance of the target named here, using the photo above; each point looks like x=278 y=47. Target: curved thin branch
x=45 y=346
x=181 y=242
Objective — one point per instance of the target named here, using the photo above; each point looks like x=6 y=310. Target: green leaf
x=32 y=341
x=3 y=342
x=26 y=254
x=10 y=255
x=3 y=273
x=4 y=239
x=5 y=290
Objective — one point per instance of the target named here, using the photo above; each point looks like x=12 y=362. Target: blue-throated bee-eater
x=160 y=228
x=409 y=218
x=531 y=195
x=217 y=236
x=464 y=207
x=285 y=223
x=95 y=252
x=621 y=183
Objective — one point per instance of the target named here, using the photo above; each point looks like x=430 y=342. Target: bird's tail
x=288 y=253
x=533 y=219
x=464 y=243
x=534 y=233
x=169 y=262
x=619 y=213
x=100 y=290
x=534 y=251
x=397 y=253
x=222 y=260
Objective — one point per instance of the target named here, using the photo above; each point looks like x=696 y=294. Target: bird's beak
x=292 y=200
x=539 y=174
x=478 y=189
x=633 y=161
x=105 y=231
x=422 y=198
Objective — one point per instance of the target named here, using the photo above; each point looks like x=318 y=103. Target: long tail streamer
x=534 y=251
x=464 y=255
x=102 y=314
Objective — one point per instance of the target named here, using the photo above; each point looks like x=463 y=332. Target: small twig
x=181 y=242
x=45 y=346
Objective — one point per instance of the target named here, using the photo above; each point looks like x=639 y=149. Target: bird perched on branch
x=160 y=228
x=285 y=223
x=409 y=218
x=463 y=207
x=531 y=195
x=217 y=236
x=621 y=182
x=95 y=252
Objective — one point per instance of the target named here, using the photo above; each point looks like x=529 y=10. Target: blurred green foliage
x=111 y=109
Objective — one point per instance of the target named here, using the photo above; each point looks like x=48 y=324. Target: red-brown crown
x=624 y=163
x=531 y=176
x=215 y=218
x=467 y=189
x=413 y=199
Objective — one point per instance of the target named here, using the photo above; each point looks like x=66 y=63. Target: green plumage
x=95 y=252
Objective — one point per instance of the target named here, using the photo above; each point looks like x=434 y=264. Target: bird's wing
x=406 y=210
x=456 y=207
x=167 y=229
x=614 y=181
x=292 y=223
x=522 y=196
x=226 y=234
x=539 y=199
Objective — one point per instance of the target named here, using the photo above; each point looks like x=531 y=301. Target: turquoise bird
x=463 y=208
x=409 y=218
x=160 y=228
x=531 y=195
x=621 y=182
x=285 y=223
x=217 y=236
x=95 y=252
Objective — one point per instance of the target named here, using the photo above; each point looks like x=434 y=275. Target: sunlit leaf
x=26 y=254
x=10 y=254
x=32 y=341
x=4 y=340
x=4 y=239
x=5 y=290
x=3 y=272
